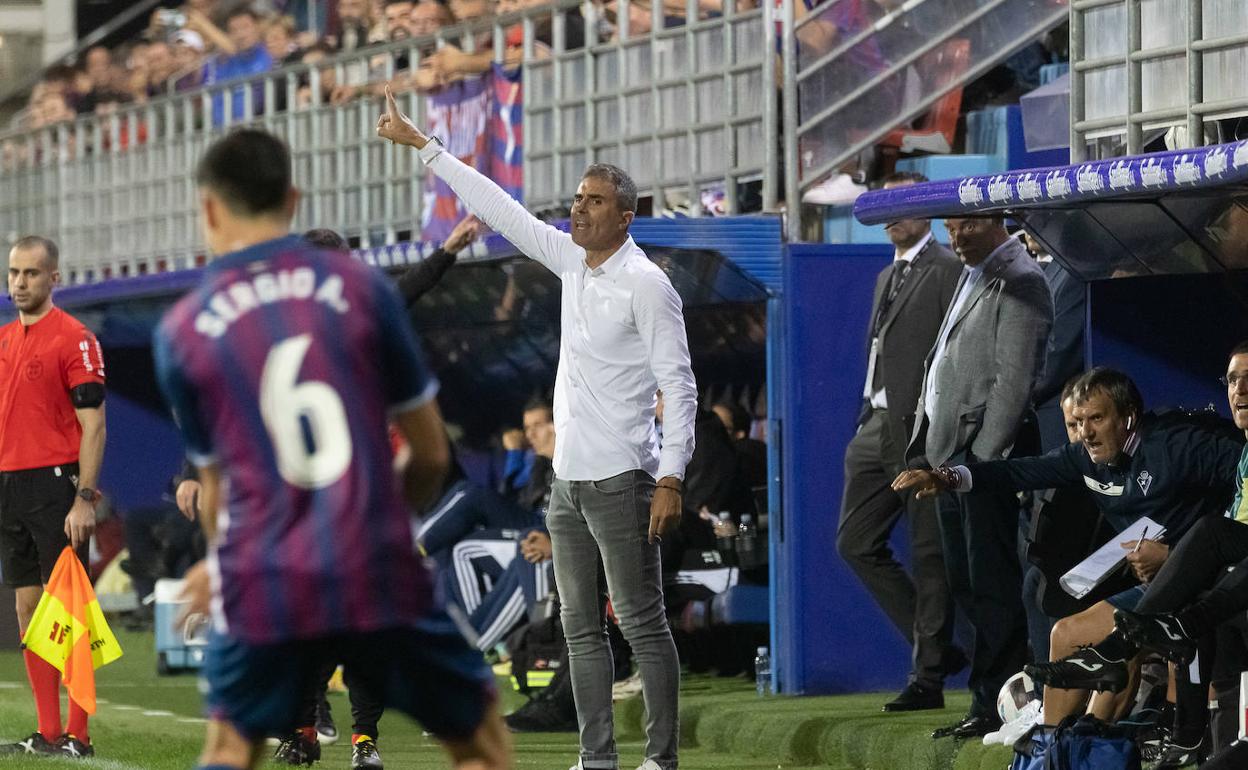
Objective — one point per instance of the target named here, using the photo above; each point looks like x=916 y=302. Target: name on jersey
x=240 y=298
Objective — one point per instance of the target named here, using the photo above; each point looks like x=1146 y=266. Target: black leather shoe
x=969 y=727
x=916 y=697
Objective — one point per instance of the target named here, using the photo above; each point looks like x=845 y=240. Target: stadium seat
x=934 y=131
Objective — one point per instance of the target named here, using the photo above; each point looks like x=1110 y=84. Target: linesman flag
x=68 y=630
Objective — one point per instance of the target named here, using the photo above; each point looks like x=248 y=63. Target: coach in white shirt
x=622 y=340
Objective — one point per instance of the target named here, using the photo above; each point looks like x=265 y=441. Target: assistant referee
x=51 y=446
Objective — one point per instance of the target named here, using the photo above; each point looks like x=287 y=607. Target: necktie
x=901 y=268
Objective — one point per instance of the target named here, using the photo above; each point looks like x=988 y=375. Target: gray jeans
x=599 y=529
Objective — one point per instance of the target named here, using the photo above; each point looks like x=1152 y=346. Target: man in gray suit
x=975 y=399
x=911 y=297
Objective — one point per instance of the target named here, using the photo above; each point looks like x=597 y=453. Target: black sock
x=1115 y=647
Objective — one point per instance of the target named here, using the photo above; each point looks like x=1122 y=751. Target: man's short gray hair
x=625 y=187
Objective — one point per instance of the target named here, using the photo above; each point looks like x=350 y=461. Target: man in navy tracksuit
x=1174 y=468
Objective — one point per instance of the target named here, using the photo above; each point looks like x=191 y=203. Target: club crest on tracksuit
x=1145 y=480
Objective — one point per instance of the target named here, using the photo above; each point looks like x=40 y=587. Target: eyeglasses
x=1233 y=379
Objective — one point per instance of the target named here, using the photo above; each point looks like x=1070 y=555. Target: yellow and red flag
x=68 y=630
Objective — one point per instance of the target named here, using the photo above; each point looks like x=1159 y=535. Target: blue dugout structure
x=1161 y=241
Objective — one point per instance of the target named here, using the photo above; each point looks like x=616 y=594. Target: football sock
x=77 y=726
x=45 y=684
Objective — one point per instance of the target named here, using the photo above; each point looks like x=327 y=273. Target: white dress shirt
x=879 y=398
x=622 y=339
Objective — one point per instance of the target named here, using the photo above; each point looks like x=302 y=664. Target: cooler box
x=179 y=646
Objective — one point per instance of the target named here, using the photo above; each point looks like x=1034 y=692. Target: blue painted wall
x=1171 y=333
x=828 y=634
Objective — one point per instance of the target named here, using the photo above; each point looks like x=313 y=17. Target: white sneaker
x=1028 y=717
x=836 y=190
x=649 y=764
x=626 y=688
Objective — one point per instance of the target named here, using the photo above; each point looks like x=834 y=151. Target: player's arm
x=209 y=499
x=534 y=238
x=80 y=523
x=429 y=454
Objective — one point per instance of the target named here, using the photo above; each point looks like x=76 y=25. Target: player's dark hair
x=1068 y=389
x=1120 y=388
x=1240 y=348
x=625 y=187
x=249 y=170
x=540 y=402
x=327 y=239
x=50 y=251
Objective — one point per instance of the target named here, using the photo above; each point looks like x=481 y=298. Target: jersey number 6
x=306 y=420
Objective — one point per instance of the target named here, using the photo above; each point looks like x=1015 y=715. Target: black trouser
x=980 y=535
x=1230 y=660
x=870 y=509
x=1198 y=564
x=366 y=709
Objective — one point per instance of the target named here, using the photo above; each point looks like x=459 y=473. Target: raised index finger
x=392 y=106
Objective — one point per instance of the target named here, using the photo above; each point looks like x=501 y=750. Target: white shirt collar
x=614 y=262
x=909 y=254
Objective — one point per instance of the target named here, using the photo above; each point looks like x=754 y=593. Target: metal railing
x=1143 y=65
x=685 y=108
x=118 y=193
x=858 y=78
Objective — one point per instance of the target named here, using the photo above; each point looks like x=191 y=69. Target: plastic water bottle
x=762 y=672
x=747 y=542
x=724 y=540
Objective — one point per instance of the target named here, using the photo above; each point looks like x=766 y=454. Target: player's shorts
x=1128 y=599
x=428 y=671
x=33 y=507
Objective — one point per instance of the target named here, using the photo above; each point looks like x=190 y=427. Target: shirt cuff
x=432 y=149
x=964 y=479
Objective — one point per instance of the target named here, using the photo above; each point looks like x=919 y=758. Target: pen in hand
x=1140 y=542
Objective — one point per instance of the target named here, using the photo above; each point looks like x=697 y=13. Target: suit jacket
x=1065 y=354
x=993 y=357
x=1065 y=346
x=908 y=330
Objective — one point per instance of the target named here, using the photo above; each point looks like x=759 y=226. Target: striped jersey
x=281 y=367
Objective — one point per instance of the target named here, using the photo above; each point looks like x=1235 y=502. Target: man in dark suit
x=911 y=296
x=1065 y=350
x=975 y=399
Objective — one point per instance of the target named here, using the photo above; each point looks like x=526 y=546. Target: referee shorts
x=33 y=507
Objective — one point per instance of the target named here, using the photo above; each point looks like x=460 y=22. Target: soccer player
x=282 y=368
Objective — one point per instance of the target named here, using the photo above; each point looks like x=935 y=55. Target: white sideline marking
x=157 y=713
x=123 y=707
x=193 y=720
x=10 y=685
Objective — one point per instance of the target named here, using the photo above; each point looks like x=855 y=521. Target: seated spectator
x=751 y=454
x=250 y=58
x=327 y=79
x=495 y=554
